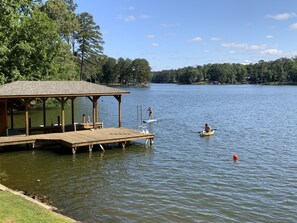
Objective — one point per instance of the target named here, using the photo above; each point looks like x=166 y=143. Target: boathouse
x=66 y=134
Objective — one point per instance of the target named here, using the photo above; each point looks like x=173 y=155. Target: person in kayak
x=207 y=128
x=150 y=112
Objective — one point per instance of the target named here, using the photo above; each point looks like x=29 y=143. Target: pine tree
x=89 y=40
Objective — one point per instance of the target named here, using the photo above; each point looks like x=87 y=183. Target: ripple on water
x=185 y=178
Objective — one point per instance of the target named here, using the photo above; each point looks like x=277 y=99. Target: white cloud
x=283 y=16
x=246 y=62
x=150 y=36
x=165 y=25
x=257 y=47
x=244 y=46
x=293 y=54
x=272 y=52
x=235 y=45
x=196 y=39
x=129 y=18
x=269 y=36
x=144 y=16
x=155 y=44
x=215 y=39
x=293 y=26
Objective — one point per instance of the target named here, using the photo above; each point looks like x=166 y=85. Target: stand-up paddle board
x=150 y=120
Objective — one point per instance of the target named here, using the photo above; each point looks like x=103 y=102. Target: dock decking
x=75 y=139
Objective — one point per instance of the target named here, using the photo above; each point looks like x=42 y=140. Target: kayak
x=204 y=133
x=150 y=120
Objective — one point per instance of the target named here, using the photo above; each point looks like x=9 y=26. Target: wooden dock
x=75 y=139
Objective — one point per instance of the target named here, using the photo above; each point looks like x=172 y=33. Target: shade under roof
x=28 y=89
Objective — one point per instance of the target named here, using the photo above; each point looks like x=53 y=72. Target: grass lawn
x=14 y=208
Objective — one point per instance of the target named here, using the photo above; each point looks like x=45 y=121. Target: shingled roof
x=29 y=89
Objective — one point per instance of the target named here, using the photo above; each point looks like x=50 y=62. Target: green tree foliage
x=124 y=69
x=89 y=40
x=164 y=76
x=47 y=40
x=30 y=45
x=109 y=71
x=62 y=12
x=240 y=73
x=64 y=66
x=282 y=70
x=141 y=71
x=188 y=75
x=36 y=47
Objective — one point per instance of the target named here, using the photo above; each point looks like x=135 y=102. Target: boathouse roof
x=29 y=89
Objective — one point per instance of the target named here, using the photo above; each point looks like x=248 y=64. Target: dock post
x=102 y=147
x=74 y=150
x=151 y=141
x=90 y=148
x=84 y=118
x=123 y=145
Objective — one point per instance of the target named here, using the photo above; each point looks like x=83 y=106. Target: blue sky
x=175 y=34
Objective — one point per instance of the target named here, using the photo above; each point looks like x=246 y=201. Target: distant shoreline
x=218 y=83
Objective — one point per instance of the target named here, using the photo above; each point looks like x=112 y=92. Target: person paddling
x=207 y=128
x=150 y=112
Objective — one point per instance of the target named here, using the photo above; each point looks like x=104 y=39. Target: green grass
x=14 y=208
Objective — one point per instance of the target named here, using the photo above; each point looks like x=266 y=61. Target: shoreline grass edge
x=14 y=201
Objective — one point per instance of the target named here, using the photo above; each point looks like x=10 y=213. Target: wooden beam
x=119 y=97
x=62 y=100
x=27 y=104
x=63 y=114
x=11 y=115
x=44 y=111
x=72 y=109
x=95 y=110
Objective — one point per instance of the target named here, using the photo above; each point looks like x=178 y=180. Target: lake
x=183 y=178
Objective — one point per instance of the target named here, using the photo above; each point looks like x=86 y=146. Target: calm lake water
x=183 y=178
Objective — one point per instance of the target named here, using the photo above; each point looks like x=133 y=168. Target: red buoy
x=235 y=157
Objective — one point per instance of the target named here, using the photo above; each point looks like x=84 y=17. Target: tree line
x=48 y=40
x=280 y=71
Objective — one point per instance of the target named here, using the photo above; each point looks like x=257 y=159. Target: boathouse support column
x=63 y=114
x=118 y=97
x=27 y=104
x=72 y=109
x=44 y=111
x=3 y=118
x=94 y=99
x=11 y=115
x=62 y=101
x=95 y=110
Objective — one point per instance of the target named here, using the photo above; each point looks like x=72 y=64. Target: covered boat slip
x=62 y=91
